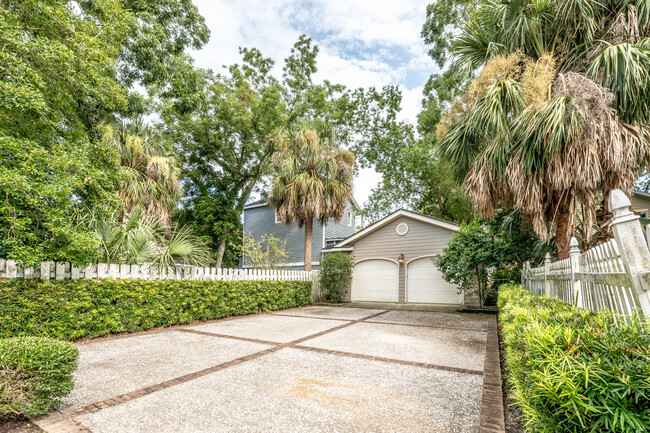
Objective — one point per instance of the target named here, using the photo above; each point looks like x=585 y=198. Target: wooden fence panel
x=611 y=276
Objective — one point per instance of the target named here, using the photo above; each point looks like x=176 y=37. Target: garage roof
x=392 y=217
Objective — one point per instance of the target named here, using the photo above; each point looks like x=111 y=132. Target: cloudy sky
x=362 y=43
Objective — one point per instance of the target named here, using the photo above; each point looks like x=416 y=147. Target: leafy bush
x=35 y=373
x=571 y=370
x=468 y=256
x=71 y=309
x=335 y=275
x=269 y=253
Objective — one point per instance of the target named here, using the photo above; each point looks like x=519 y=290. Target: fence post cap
x=618 y=200
x=619 y=204
x=573 y=243
x=547 y=258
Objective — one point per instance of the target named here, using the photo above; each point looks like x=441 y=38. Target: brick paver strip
x=455 y=328
x=492 y=419
x=232 y=337
x=391 y=360
x=56 y=422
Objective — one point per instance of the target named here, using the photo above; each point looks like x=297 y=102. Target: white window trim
x=350 y=219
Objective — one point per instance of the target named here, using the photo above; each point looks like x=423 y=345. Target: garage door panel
x=426 y=285
x=375 y=281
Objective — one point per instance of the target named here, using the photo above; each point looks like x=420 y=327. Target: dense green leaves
x=486 y=251
x=57 y=67
x=468 y=257
x=570 y=370
x=35 y=373
x=73 y=309
x=335 y=275
x=417 y=180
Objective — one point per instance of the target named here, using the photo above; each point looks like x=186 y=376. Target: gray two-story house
x=260 y=219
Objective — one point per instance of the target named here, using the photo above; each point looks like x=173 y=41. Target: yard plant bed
x=73 y=309
x=571 y=370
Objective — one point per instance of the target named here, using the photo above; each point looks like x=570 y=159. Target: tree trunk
x=221 y=249
x=309 y=225
x=563 y=231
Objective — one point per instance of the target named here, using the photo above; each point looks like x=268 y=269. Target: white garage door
x=375 y=280
x=425 y=284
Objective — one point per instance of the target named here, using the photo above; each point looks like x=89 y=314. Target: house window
x=277 y=221
x=350 y=219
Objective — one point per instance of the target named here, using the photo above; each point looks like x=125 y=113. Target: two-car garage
x=393 y=260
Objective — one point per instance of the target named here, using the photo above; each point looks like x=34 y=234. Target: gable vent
x=402 y=229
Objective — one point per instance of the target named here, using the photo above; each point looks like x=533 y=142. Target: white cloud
x=362 y=43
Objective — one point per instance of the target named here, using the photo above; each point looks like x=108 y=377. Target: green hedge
x=35 y=373
x=72 y=309
x=570 y=370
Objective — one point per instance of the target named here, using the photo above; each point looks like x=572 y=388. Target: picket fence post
x=547 y=282
x=574 y=258
x=632 y=247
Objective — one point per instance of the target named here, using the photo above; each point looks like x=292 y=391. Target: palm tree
x=140 y=239
x=149 y=169
x=313 y=181
x=559 y=113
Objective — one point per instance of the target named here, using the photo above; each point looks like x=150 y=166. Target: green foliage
x=470 y=253
x=153 y=52
x=214 y=217
x=571 y=370
x=141 y=239
x=72 y=309
x=417 y=180
x=226 y=125
x=335 y=275
x=35 y=373
x=149 y=168
x=57 y=68
x=501 y=246
x=444 y=19
x=269 y=253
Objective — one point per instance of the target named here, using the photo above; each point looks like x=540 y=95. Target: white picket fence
x=613 y=276
x=64 y=271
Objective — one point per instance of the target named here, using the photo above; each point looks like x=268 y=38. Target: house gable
x=421 y=239
x=389 y=220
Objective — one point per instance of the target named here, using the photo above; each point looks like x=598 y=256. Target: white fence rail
x=613 y=276
x=67 y=271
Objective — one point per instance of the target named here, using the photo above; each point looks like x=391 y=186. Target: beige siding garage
x=403 y=232
x=375 y=280
x=425 y=285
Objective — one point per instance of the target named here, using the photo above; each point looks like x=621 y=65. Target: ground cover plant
x=72 y=309
x=35 y=373
x=570 y=370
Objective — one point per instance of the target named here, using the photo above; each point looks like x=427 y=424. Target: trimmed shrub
x=72 y=309
x=335 y=275
x=35 y=373
x=571 y=370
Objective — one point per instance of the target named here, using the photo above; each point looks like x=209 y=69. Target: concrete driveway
x=311 y=369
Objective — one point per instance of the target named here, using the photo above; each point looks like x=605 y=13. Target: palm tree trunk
x=563 y=232
x=309 y=225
